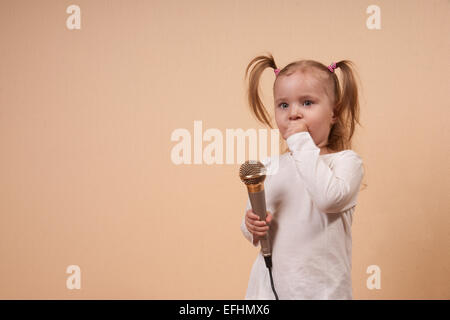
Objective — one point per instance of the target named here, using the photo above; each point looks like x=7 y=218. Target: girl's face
x=301 y=97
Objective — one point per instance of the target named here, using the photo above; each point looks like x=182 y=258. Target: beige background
x=86 y=118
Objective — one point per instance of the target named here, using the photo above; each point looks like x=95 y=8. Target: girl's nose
x=295 y=113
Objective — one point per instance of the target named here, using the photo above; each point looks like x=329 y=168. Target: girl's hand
x=255 y=226
x=294 y=127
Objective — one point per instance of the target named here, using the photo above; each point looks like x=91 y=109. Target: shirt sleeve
x=333 y=189
x=247 y=234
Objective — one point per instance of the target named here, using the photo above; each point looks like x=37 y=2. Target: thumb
x=269 y=217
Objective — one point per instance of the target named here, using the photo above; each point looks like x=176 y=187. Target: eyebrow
x=301 y=97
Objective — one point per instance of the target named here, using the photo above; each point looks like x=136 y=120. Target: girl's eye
x=309 y=103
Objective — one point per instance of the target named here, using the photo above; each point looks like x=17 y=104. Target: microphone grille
x=252 y=172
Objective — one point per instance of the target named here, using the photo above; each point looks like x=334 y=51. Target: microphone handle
x=258 y=202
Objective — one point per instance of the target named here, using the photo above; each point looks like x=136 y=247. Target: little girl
x=312 y=196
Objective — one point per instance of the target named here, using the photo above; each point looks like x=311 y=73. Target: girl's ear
x=333 y=118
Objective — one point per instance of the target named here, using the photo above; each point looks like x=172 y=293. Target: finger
x=252 y=215
x=259 y=223
x=251 y=221
x=260 y=234
x=255 y=228
x=260 y=229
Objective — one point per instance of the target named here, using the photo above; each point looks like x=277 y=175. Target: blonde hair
x=345 y=100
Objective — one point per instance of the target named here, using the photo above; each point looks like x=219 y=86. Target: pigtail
x=254 y=100
x=347 y=107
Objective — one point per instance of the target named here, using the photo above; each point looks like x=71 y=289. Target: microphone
x=253 y=174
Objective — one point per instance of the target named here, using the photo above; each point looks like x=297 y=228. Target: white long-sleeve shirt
x=312 y=199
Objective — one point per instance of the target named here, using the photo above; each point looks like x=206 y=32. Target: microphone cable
x=268 y=260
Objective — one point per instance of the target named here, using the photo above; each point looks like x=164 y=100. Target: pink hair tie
x=332 y=66
x=277 y=71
